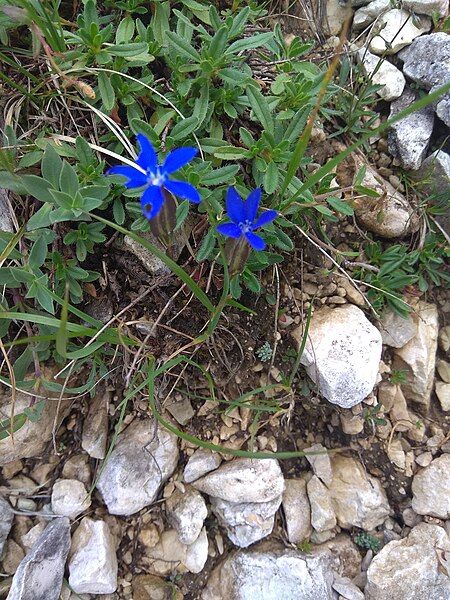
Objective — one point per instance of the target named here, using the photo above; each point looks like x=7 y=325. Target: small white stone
x=384 y=73
x=396 y=331
x=320 y=463
x=397 y=29
x=367 y=15
x=186 y=512
x=443 y=394
x=431 y=489
x=427 y=7
x=297 y=510
x=322 y=513
x=170 y=554
x=69 y=498
x=93 y=562
x=201 y=462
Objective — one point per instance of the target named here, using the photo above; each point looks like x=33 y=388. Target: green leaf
x=37 y=187
x=181 y=214
x=340 y=206
x=271 y=178
x=38 y=252
x=201 y=105
x=184 y=128
x=106 y=90
x=251 y=281
x=68 y=180
x=34 y=412
x=231 y=153
x=234 y=76
x=41 y=218
x=218 y=43
x=118 y=211
x=125 y=30
x=221 y=175
x=207 y=246
x=260 y=39
x=160 y=21
x=128 y=50
x=182 y=47
x=51 y=166
x=260 y=108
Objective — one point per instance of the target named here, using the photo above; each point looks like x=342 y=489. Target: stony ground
x=366 y=514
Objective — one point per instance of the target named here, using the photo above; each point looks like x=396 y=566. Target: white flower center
x=157 y=178
x=245 y=226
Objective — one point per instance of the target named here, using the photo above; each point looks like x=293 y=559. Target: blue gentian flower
x=147 y=172
x=243 y=214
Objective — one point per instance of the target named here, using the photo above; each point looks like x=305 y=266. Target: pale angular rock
x=444 y=338
x=409 y=138
x=367 y=15
x=351 y=424
x=297 y=510
x=323 y=517
x=170 y=555
x=384 y=73
x=6 y=520
x=186 y=513
x=12 y=557
x=30 y=538
x=420 y=62
x=201 y=462
x=273 y=573
x=431 y=489
x=244 y=480
x=6 y=222
x=433 y=177
x=40 y=574
x=337 y=12
x=342 y=354
x=31 y=439
x=397 y=29
x=347 y=589
x=443 y=394
x=93 y=562
x=320 y=463
x=358 y=498
x=389 y=215
x=95 y=427
x=443 y=107
x=409 y=569
x=69 y=498
x=149 y=587
x=418 y=356
x=396 y=454
x=348 y=554
x=248 y=522
x=396 y=330
x=427 y=7
x=144 y=458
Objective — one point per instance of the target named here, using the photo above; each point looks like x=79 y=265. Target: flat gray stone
x=6 y=519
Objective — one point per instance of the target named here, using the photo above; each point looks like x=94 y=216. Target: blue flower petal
x=235 y=206
x=267 y=217
x=147 y=158
x=151 y=201
x=183 y=190
x=135 y=177
x=255 y=241
x=229 y=229
x=252 y=205
x=177 y=159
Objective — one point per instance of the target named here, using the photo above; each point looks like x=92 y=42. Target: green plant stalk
x=302 y=347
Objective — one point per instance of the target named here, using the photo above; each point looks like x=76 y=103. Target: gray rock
x=244 y=480
x=6 y=223
x=6 y=520
x=396 y=29
x=95 y=426
x=247 y=522
x=200 y=463
x=418 y=356
x=320 y=463
x=93 y=562
x=347 y=589
x=427 y=7
x=410 y=569
x=170 y=555
x=342 y=354
x=69 y=498
x=384 y=73
x=366 y=15
x=396 y=331
x=431 y=489
x=337 y=12
x=443 y=108
x=323 y=517
x=427 y=60
x=408 y=139
x=186 y=513
x=297 y=510
x=273 y=573
x=358 y=498
x=40 y=574
x=144 y=457
x=443 y=393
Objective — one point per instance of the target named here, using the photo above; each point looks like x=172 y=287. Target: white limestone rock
x=186 y=513
x=384 y=73
x=396 y=331
x=201 y=462
x=6 y=520
x=431 y=489
x=397 y=29
x=170 y=555
x=323 y=517
x=366 y=15
x=144 y=457
x=342 y=354
x=410 y=569
x=427 y=7
x=427 y=60
x=443 y=393
x=69 y=498
x=93 y=562
x=358 y=499
x=297 y=510
x=244 y=480
x=40 y=574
